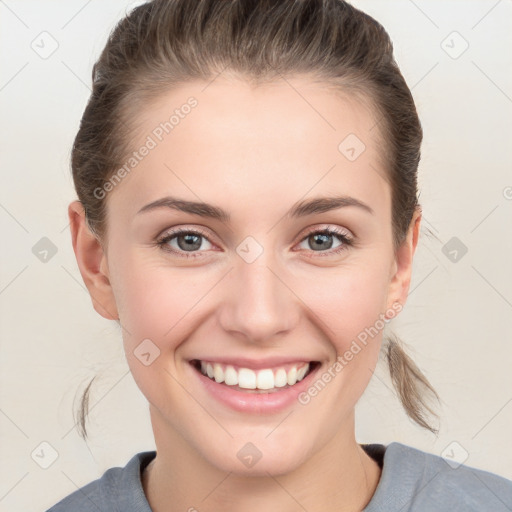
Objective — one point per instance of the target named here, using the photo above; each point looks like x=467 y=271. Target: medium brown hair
x=163 y=43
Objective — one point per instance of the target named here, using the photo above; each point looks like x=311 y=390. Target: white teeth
x=246 y=378
x=231 y=376
x=265 y=379
x=301 y=373
x=218 y=374
x=292 y=376
x=281 y=378
x=250 y=379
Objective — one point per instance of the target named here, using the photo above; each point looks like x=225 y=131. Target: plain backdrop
x=457 y=323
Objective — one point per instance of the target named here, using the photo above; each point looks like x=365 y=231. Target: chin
x=259 y=456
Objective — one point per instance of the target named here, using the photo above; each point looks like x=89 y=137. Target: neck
x=340 y=477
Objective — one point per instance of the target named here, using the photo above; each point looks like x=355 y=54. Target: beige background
x=458 y=319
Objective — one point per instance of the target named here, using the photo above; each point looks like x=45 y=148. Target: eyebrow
x=301 y=209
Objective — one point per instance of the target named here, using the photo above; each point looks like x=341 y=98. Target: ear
x=402 y=266
x=92 y=262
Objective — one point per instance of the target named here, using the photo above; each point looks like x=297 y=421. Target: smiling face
x=253 y=288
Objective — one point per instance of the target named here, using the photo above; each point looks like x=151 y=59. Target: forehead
x=282 y=140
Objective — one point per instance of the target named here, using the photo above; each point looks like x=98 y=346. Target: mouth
x=251 y=380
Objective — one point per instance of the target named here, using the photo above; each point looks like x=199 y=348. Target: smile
x=255 y=386
x=264 y=379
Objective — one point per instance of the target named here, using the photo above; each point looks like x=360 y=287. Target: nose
x=259 y=304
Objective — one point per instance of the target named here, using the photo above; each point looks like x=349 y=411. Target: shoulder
x=118 y=489
x=414 y=480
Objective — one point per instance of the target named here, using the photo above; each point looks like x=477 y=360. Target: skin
x=254 y=152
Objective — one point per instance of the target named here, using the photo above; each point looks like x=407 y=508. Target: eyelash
x=346 y=241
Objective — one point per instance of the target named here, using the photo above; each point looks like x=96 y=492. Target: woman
x=247 y=183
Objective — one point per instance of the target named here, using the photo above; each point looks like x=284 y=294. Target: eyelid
x=328 y=227
x=180 y=230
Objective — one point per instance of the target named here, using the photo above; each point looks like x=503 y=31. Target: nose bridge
x=259 y=305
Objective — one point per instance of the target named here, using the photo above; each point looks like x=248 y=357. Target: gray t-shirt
x=411 y=480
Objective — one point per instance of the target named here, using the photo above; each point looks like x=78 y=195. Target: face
x=264 y=292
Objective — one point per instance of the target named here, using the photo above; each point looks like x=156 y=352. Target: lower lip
x=260 y=402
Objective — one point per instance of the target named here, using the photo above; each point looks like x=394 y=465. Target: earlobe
x=401 y=280
x=92 y=263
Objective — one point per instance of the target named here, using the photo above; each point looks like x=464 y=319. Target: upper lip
x=256 y=364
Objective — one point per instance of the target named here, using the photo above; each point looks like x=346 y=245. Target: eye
x=187 y=240
x=320 y=239
x=190 y=241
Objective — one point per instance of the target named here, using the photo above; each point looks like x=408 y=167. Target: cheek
x=161 y=304
x=151 y=295
x=158 y=308
x=349 y=300
x=350 y=306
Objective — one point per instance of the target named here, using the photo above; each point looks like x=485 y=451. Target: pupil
x=323 y=237
x=189 y=243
